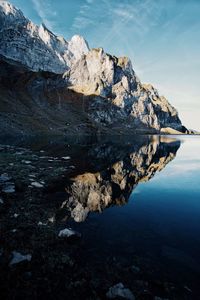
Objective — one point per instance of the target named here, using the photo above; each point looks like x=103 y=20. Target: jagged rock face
x=100 y=74
x=113 y=78
x=120 y=100
x=91 y=192
x=78 y=46
x=36 y=47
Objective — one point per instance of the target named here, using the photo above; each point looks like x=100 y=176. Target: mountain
x=114 y=79
x=41 y=73
x=34 y=46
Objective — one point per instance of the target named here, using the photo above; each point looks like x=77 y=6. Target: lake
x=133 y=205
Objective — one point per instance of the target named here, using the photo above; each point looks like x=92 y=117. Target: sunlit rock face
x=90 y=192
x=35 y=46
x=113 y=78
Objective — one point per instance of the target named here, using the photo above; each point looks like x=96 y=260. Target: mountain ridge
x=36 y=46
x=118 y=95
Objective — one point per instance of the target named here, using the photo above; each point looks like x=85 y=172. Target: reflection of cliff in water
x=113 y=184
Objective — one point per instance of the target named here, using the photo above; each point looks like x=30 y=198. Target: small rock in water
x=119 y=291
x=16 y=215
x=41 y=224
x=66 y=233
x=135 y=269
x=18 y=257
x=4 y=177
x=1 y=201
x=8 y=189
x=26 y=162
x=19 y=153
x=37 y=184
x=52 y=219
x=66 y=157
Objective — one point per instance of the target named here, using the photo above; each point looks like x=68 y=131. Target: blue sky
x=162 y=38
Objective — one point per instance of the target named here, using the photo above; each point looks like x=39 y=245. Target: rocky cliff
x=117 y=101
x=34 y=46
x=114 y=79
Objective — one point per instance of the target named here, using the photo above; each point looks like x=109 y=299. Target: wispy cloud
x=110 y=19
x=44 y=11
x=83 y=18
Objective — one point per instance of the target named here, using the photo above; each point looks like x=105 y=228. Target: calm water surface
x=136 y=203
x=159 y=226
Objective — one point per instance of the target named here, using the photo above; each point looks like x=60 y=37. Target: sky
x=162 y=38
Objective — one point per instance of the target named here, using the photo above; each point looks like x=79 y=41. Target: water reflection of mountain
x=112 y=183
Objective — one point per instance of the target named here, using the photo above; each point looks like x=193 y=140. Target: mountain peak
x=78 y=46
x=10 y=10
x=78 y=38
x=34 y=46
